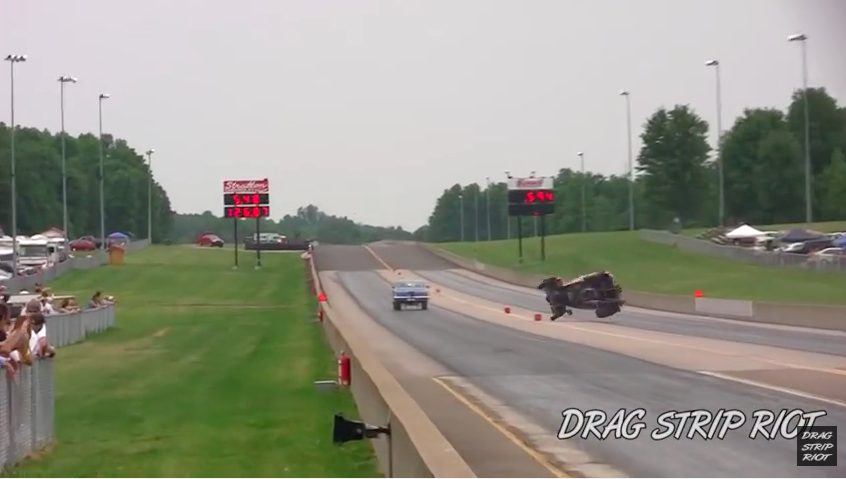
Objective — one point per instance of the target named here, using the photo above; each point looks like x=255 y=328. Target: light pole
x=488 y=204
x=103 y=96
x=150 y=196
x=12 y=59
x=722 y=211
x=476 y=215
x=461 y=217
x=507 y=217
x=532 y=175
x=584 y=210
x=803 y=40
x=62 y=80
x=627 y=95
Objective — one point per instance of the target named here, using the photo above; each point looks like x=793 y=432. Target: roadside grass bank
x=655 y=268
x=209 y=373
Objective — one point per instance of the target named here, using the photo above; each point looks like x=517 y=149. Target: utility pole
x=488 y=207
x=103 y=96
x=627 y=95
x=803 y=41
x=722 y=213
x=461 y=215
x=584 y=209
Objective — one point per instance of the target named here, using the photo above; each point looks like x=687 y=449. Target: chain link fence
x=27 y=401
x=775 y=259
x=91 y=260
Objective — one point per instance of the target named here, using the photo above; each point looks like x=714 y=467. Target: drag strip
x=539 y=377
x=800 y=339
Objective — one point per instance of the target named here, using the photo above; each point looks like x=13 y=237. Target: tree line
x=677 y=177
x=38 y=165
x=308 y=223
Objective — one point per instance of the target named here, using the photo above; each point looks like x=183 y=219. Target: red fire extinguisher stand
x=343 y=369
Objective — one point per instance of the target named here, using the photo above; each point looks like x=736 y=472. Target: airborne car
x=597 y=291
x=410 y=293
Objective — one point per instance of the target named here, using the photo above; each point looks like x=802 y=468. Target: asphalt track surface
x=788 y=338
x=539 y=376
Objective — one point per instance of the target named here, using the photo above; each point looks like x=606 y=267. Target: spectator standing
x=96 y=300
x=38 y=342
x=47 y=304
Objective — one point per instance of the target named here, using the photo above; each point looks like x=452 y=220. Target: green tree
x=833 y=188
x=672 y=164
x=827 y=127
x=39 y=186
x=763 y=169
x=763 y=163
x=309 y=222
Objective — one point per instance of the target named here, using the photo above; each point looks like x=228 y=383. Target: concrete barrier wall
x=415 y=448
x=811 y=316
x=83 y=261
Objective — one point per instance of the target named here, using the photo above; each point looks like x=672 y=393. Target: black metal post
x=258 y=242
x=235 y=239
x=520 y=239
x=543 y=237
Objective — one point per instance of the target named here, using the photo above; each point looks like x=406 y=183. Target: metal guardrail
x=27 y=402
x=91 y=260
x=828 y=264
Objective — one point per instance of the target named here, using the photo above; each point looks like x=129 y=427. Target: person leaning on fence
x=47 y=303
x=96 y=300
x=67 y=306
x=14 y=349
x=38 y=342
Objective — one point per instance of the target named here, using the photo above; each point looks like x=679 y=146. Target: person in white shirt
x=47 y=305
x=39 y=345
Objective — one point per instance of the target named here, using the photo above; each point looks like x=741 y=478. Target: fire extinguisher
x=343 y=369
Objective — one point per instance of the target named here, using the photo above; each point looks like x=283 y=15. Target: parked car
x=211 y=241
x=82 y=245
x=97 y=241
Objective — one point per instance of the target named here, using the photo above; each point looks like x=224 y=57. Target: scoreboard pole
x=530 y=197
x=258 y=242
x=520 y=239
x=235 y=239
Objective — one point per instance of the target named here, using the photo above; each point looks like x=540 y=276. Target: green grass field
x=209 y=373
x=649 y=267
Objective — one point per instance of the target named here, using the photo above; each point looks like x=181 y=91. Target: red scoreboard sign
x=246 y=198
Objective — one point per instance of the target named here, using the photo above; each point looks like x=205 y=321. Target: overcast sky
x=370 y=109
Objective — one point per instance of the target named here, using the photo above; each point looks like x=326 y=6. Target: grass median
x=654 y=268
x=209 y=373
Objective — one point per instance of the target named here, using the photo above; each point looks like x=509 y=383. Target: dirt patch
x=161 y=332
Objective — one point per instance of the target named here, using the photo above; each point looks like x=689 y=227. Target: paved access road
x=539 y=376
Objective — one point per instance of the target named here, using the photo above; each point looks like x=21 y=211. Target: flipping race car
x=410 y=293
x=597 y=291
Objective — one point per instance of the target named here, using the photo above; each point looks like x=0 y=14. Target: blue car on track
x=410 y=292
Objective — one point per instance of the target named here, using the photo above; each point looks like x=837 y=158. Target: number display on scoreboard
x=246 y=198
x=530 y=196
x=240 y=199
x=246 y=211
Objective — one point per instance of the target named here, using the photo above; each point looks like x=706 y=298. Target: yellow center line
x=533 y=453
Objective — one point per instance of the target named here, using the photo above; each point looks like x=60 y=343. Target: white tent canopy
x=744 y=231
